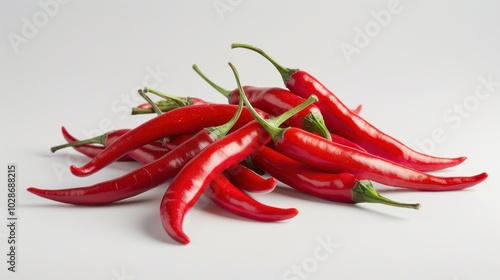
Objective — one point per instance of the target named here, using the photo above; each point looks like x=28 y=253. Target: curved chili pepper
x=194 y=177
x=144 y=154
x=275 y=101
x=227 y=196
x=339 y=187
x=328 y=156
x=246 y=179
x=240 y=175
x=143 y=178
x=189 y=119
x=133 y=183
x=331 y=157
x=341 y=120
x=88 y=149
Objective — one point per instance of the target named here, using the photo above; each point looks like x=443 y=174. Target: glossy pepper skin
x=339 y=119
x=246 y=179
x=174 y=141
x=88 y=149
x=195 y=176
x=276 y=101
x=328 y=156
x=344 y=122
x=341 y=140
x=145 y=154
x=241 y=176
x=135 y=182
x=330 y=186
x=228 y=196
x=221 y=191
x=339 y=187
x=189 y=119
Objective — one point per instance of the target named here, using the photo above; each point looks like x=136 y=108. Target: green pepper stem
x=101 y=139
x=151 y=102
x=221 y=130
x=163 y=108
x=364 y=191
x=314 y=122
x=270 y=125
x=223 y=91
x=182 y=101
x=286 y=73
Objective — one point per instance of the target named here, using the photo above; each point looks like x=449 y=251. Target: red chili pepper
x=246 y=179
x=331 y=157
x=225 y=194
x=195 y=176
x=341 y=120
x=88 y=149
x=144 y=154
x=328 y=156
x=240 y=175
x=189 y=119
x=174 y=141
x=357 y=110
x=275 y=101
x=341 y=140
x=143 y=178
x=133 y=183
x=339 y=187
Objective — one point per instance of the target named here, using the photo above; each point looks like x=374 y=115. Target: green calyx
x=270 y=125
x=286 y=73
x=182 y=101
x=314 y=122
x=101 y=139
x=168 y=103
x=364 y=191
x=151 y=102
x=221 y=130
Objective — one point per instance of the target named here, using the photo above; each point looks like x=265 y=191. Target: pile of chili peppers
x=302 y=136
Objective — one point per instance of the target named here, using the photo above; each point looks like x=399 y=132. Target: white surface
x=80 y=69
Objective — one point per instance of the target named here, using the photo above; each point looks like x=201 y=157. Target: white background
x=81 y=65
